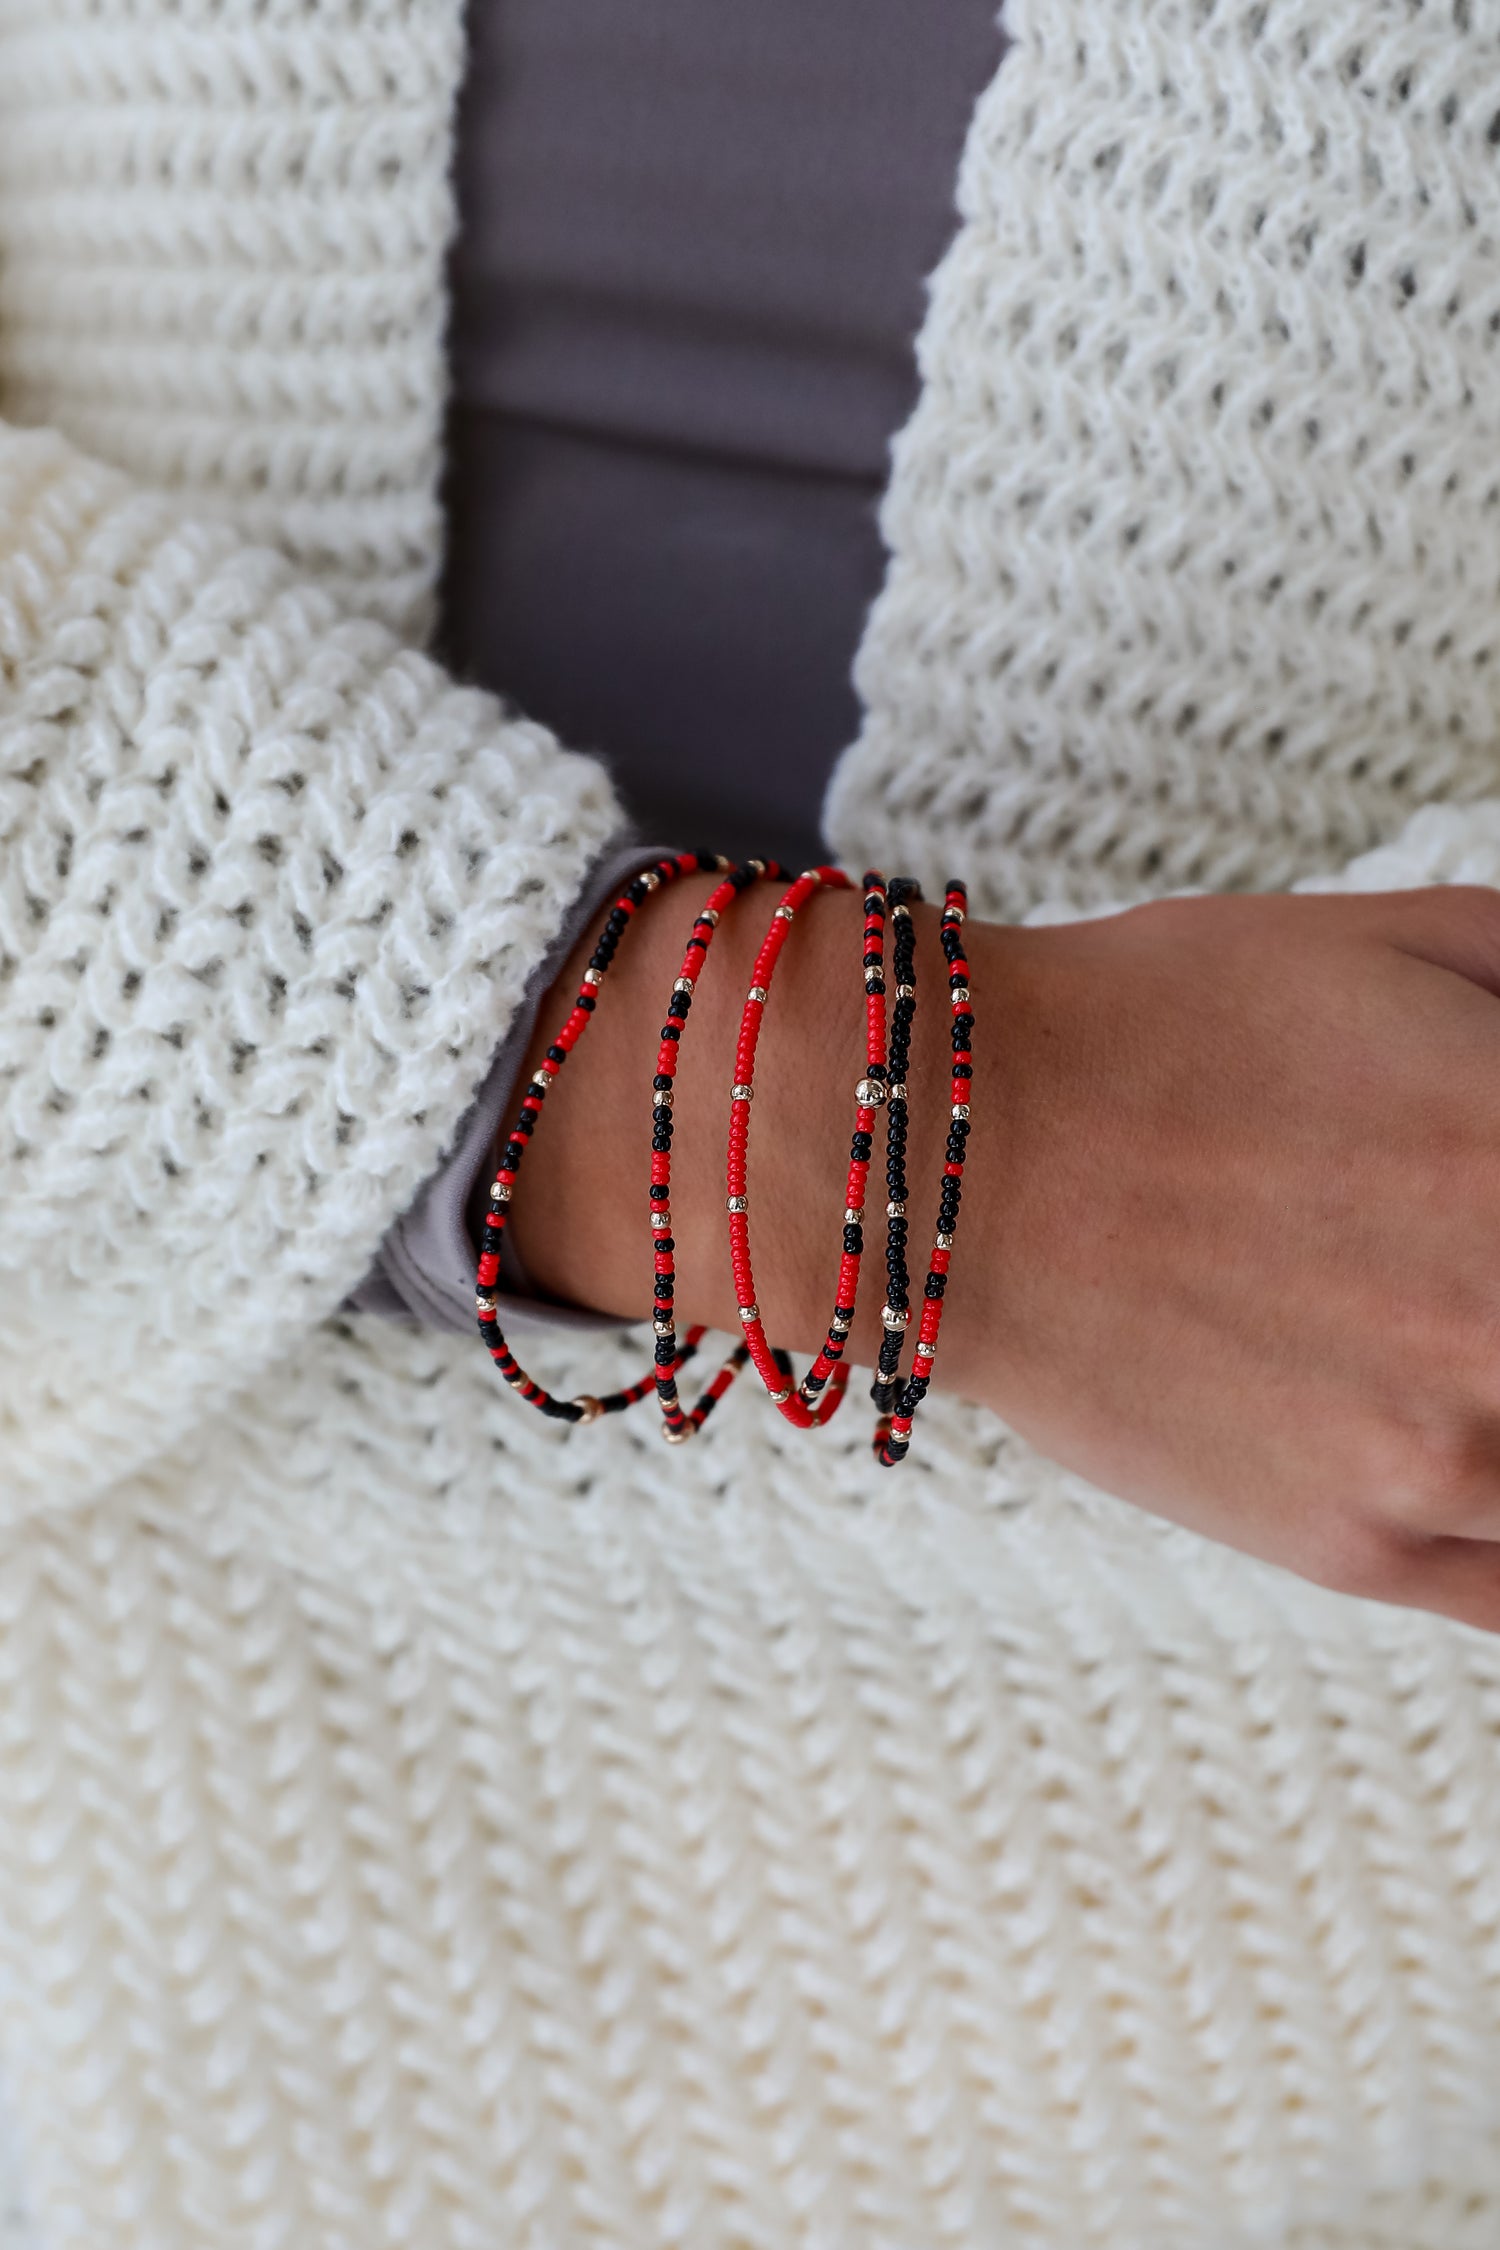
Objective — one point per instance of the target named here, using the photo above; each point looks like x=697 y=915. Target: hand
x=1230 y=1242
x=1240 y=1254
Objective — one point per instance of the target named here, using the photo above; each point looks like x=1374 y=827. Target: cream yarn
x=420 y=1829
x=1196 y=529
x=222 y=226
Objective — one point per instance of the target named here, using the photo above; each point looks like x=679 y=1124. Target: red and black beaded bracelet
x=679 y=1424
x=894 y=1442
x=802 y=1404
x=618 y=920
x=895 y=1314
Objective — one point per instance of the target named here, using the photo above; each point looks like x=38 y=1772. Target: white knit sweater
x=422 y=1828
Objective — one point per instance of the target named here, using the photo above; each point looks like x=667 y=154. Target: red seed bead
x=679 y=1423
x=619 y=919
x=893 y=1433
x=813 y=1402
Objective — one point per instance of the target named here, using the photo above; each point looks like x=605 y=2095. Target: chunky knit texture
x=422 y=1828
x=222 y=226
x=1196 y=529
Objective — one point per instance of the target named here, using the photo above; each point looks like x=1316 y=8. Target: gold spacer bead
x=663 y=1098
x=926 y=1351
x=960 y=1109
x=486 y=1301
x=593 y=976
x=742 y=1093
x=898 y=1091
x=895 y=1210
x=960 y=996
x=651 y=879
x=592 y=1409
x=710 y=914
x=499 y=1192
x=854 y=1214
x=779 y=1398
x=679 y=1436
x=871 y=1093
x=757 y=866
x=906 y=992
x=661 y=1221
x=943 y=1242
x=810 y=875
x=901 y=913
x=893 y=1319
x=683 y=984
x=749 y=1312
x=664 y=1327
x=737 y=1203
x=758 y=992
x=786 y=913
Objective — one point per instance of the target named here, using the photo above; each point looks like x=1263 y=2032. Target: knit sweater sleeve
x=271 y=888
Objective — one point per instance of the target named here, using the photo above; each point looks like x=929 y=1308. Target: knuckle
x=1435 y=1477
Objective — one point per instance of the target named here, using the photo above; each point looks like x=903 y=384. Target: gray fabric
x=690 y=268
x=425 y=1270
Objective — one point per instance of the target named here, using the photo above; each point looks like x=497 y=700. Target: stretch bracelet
x=619 y=919
x=792 y=1402
x=895 y=1314
x=679 y=1425
x=893 y=1441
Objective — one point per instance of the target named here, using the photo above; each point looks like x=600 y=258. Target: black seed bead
x=963 y=1070
x=708 y=862
x=844 y=1312
x=661 y=1142
x=636 y=890
x=661 y=1194
x=964 y=1020
x=783 y=1361
x=663 y=1288
x=662 y=1242
x=560 y=1409
x=884 y=1397
x=814 y=1383
x=671 y=1031
x=661 y=1083
x=876 y=985
x=863 y=1145
x=935 y=1284
x=514 y=1151
x=666 y=1351
x=587 y=1002
x=854 y=1240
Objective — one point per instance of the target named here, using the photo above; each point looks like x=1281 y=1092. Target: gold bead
x=943 y=1242
x=960 y=1109
x=590 y=1409
x=906 y=992
x=663 y=1098
x=779 y=1398
x=895 y=1210
x=593 y=976
x=895 y=1319
x=758 y=992
x=680 y=1435
x=710 y=914
x=870 y=1093
x=749 y=1312
x=786 y=913
x=683 y=984
x=960 y=996
x=737 y=1203
x=742 y=1093
x=499 y=1192
x=926 y=1351
x=486 y=1302
x=898 y=1091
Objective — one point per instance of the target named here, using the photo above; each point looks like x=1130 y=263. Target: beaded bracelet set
x=812 y=1402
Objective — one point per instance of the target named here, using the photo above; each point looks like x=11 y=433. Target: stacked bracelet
x=813 y=1402
x=619 y=919
x=896 y=1312
x=677 y=1424
x=893 y=1444
x=795 y=1403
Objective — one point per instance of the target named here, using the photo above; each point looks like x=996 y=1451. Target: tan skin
x=1231 y=1232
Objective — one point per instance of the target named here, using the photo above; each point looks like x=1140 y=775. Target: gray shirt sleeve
x=424 y=1270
